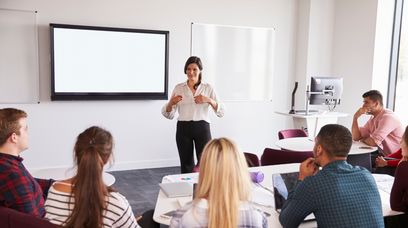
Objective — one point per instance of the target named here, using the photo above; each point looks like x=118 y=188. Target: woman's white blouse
x=188 y=110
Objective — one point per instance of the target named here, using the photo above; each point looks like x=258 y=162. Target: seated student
x=388 y=164
x=85 y=200
x=399 y=192
x=222 y=193
x=18 y=189
x=339 y=195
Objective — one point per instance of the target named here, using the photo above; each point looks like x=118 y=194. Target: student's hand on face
x=361 y=111
x=380 y=161
x=200 y=99
x=308 y=168
x=176 y=99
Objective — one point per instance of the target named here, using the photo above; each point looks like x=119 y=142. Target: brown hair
x=405 y=136
x=374 y=95
x=196 y=60
x=9 y=123
x=335 y=139
x=92 y=151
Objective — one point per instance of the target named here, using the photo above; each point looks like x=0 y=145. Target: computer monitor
x=326 y=90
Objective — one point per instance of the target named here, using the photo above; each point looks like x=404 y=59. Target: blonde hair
x=224 y=181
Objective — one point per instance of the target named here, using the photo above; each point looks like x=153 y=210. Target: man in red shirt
x=18 y=189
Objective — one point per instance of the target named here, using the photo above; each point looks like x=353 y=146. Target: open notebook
x=283 y=183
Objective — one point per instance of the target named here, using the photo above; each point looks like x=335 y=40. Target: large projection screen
x=238 y=61
x=108 y=63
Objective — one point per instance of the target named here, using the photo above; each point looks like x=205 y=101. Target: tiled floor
x=141 y=186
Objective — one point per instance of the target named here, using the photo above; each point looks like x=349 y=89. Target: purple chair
x=276 y=156
x=291 y=133
x=252 y=159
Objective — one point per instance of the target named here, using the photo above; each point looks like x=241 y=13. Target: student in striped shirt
x=84 y=200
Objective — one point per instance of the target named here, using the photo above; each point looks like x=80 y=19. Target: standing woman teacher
x=192 y=99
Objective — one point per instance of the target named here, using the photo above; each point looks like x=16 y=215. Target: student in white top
x=222 y=193
x=84 y=200
x=192 y=99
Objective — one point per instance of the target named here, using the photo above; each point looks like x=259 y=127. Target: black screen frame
x=60 y=96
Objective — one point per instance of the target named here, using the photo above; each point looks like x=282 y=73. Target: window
x=398 y=85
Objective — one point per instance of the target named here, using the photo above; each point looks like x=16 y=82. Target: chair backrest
x=291 y=133
x=276 y=156
x=10 y=218
x=252 y=159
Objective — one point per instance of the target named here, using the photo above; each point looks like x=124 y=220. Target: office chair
x=252 y=159
x=291 y=133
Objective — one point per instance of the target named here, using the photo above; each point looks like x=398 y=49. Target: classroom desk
x=63 y=173
x=165 y=204
x=359 y=151
x=314 y=121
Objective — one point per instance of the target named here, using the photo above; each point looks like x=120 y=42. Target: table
x=165 y=204
x=63 y=173
x=359 y=151
x=314 y=121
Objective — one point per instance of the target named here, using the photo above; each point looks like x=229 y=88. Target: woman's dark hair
x=196 y=60
x=406 y=135
x=92 y=151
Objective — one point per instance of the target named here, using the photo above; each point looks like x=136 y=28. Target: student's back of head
x=224 y=181
x=92 y=151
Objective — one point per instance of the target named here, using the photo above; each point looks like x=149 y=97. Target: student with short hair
x=339 y=195
x=383 y=129
x=18 y=189
x=84 y=200
x=222 y=193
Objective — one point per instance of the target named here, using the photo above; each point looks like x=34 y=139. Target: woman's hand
x=200 y=99
x=380 y=161
x=175 y=99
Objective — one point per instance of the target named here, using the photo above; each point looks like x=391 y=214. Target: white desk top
x=306 y=144
x=63 y=173
x=165 y=204
x=320 y=114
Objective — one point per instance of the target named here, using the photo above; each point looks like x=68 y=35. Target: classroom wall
x=312 y=37
x=143 y=137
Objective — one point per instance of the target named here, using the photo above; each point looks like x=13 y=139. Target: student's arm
x=355 y=130
x=369 y=141
x=386 y=125
x=298 y=205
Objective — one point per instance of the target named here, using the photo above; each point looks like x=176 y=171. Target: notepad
x=177 y=189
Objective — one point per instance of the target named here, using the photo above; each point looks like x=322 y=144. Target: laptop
x=283 y=183
x=177 y=189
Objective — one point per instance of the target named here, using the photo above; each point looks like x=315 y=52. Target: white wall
x=353 y=51
x=334 y=37
x=143 y=137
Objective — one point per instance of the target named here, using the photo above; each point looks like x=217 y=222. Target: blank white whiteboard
x=237 y=61
x=19 y=72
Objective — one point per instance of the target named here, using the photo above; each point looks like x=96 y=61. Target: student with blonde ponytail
x=223 y=191
x=85 y=200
